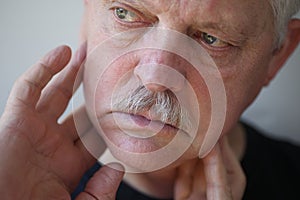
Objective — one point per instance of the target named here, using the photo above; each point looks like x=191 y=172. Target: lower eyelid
x=220 y=44
x=217 y=50
x=223 y=43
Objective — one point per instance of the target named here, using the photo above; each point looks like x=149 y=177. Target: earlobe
x=282 y=54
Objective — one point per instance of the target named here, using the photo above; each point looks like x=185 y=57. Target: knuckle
x=65 y=92
x=25 y=90
x=46 y=69
x=57 y=90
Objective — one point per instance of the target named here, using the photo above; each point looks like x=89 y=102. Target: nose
x=159 y=71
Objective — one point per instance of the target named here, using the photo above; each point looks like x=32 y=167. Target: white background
x=29 y=29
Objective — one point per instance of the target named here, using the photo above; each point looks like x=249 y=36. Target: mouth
x=143 y=125
x=144 y=119
x=138 y=133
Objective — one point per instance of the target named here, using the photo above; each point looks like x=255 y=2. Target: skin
x=36 y=145
x=244 y=59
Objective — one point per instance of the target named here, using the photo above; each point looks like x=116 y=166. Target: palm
x=38 y=147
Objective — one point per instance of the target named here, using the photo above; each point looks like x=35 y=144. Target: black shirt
x=272 y=169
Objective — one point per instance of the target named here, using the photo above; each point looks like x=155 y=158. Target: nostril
x=149 y=79
x=158 y=77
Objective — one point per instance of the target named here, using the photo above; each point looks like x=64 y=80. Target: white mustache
x=164 y=105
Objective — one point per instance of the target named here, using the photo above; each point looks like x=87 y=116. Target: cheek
x=100 y=82
x=212 y=106
x=200 y=87
x=99 y=25
x=243 y=87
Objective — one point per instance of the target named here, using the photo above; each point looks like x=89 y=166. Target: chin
x=143 y=148
x=148 y=162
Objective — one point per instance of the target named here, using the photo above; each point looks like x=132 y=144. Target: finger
x=86 y=138
x=104 y=184
x=184 y=180
x=55 y=97
x=27 y=89
x=236 y=176
x=216 y=177
x=77 y=123
x=199 y=183
x=91 y=146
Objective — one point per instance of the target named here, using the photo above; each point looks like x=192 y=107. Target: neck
x=237 y=141
x=160 y=184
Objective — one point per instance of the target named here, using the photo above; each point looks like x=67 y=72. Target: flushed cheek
x=102 y=81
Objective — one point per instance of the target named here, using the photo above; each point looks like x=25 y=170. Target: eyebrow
x=134 y=2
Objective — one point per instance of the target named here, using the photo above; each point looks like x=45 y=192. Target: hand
x=218 y=176
x=41 y=158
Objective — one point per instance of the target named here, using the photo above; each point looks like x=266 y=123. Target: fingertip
x=104 y=183
x=223 y=142
x=214 y=152
x=80 y=54
x=57 y=58
x=62 y=49
x=116 y=166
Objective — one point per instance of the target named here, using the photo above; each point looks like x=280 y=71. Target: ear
x=282 y=54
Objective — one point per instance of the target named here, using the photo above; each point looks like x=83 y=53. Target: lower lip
x=137 y=123
x=137 y=134
x=152 y=124
x=140 y=120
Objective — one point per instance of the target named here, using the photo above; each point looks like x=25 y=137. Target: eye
x=126 y=15
x=213 y=41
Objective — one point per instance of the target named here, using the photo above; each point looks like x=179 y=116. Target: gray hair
x=283 y=11
x=162 y=104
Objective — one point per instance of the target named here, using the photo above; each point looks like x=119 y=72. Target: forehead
x=187 y=6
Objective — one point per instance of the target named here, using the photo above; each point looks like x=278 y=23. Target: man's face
x=133 y=97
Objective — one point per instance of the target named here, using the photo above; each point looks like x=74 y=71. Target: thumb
x=104 y=184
